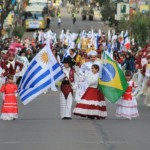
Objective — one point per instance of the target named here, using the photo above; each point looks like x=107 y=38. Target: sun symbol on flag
x=44 y=57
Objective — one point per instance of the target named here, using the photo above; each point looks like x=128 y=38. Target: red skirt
x=10 y=105
x=92 y=104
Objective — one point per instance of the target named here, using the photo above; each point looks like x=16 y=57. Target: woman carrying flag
x=92 y=103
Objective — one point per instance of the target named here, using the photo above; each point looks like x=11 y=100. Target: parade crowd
x=80 y=56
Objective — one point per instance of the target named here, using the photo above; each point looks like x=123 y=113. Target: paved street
x=40 y=127
x=67 y=23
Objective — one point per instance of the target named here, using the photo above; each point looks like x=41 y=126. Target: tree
x=108 y=12
x=7 y=7
x=100 y=1
x=138 y=26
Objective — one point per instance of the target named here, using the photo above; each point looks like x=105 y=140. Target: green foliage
x=108 y=12
x=19 y=31
x=100 y=1
x=138 y=26
x=123 y=25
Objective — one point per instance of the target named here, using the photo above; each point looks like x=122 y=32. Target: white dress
x=146 y=88
x=127 y=105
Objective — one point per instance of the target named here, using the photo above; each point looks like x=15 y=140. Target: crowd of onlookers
x=131 y=60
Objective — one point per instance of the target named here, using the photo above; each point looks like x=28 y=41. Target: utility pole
x=149 y=7
x=137 y=6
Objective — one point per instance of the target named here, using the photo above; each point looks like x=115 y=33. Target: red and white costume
x=10 y=105
x=146 y=87
x=66 y=94
x=127 y=105
x=92 y=103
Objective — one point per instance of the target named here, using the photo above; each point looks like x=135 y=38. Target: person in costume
x=92 y=103
x=127 y=105
x=86 y=67
x=10 y=106
x=146 y=87
x=75 y=57
x=13 y=64
x=4 y=66
x=22 y=59
x=66 y=88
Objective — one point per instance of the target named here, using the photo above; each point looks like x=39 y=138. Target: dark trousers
x=74 y=20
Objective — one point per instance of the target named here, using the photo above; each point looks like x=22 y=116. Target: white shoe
x=45 y=92
x=10 y=119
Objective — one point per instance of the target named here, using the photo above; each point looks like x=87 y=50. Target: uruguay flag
x=42 y=72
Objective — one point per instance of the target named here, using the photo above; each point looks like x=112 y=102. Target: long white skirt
x=127 y=108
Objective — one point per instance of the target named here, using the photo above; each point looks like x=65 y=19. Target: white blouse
x=92 y=79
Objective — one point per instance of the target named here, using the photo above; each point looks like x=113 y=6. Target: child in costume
x=146 y=83
x=127 y=105
x=10 y=106
x=66 y=94
x=92 y=103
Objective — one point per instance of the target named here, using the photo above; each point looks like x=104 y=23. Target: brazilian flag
x=112 y=81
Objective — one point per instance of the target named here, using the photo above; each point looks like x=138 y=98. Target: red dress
x=10 y=105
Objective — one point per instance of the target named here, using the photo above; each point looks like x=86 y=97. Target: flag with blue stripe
x=42 y=73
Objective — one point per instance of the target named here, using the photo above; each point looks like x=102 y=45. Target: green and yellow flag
x=112 y=81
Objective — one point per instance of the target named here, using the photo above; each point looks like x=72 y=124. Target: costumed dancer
x=14 y=65
x=5 y=69
x=146 y=88
x=10 y=106
x=66 y=94
x=85 y=68
x=23 y=59
x=127 y=105
x=92 y=103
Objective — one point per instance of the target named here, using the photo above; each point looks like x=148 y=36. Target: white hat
x=28 y=49
x=92 y=53
x=4 y=51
